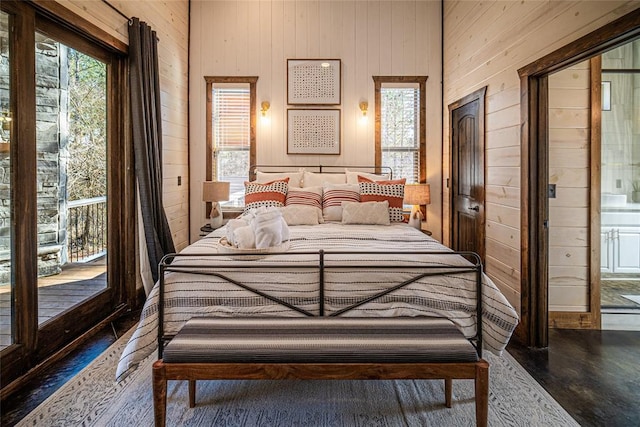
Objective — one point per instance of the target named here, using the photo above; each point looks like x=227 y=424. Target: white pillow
x=301 y=215
x=311 y=179
x=295 y=178
x=332 y=197
x=352 y=176
x=373 y=213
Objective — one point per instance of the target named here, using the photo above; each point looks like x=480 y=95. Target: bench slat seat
x=319 y=348
x=319 y=340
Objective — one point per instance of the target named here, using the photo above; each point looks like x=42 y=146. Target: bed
x=368 y=271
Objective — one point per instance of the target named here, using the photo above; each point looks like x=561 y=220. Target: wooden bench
x=320 y=348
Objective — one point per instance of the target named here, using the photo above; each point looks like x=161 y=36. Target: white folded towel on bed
x=244 y=238
x=232 y=226
x=269 y=228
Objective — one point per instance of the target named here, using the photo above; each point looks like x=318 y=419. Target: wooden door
x=467 y=173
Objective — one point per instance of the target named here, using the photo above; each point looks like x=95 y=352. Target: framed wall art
x=313 y=81
x=312 y=131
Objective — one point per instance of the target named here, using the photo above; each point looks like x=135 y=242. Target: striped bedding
x=451 y=295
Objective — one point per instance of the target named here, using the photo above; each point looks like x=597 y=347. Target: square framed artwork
x=312 y=131
x=314 y=81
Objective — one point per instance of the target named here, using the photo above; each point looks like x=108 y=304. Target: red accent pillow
x=379 y=191
x=273 y=193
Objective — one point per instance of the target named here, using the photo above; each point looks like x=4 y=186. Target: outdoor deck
x=56 y=294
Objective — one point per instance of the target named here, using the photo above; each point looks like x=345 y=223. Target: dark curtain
x=147 y=139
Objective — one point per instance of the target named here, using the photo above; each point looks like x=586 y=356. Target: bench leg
x=448 y=386
x=192 y=393
x=159 y=394
x=482 y=393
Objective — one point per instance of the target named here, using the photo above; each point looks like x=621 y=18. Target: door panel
x=71 y=121
x=7 y=317
x=467 y=153
x=66 y=153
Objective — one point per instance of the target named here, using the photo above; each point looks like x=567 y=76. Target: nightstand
x=207 y=228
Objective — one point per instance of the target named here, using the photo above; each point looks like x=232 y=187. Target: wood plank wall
x=251 y=38
x=484 y=44
x=170 y=20
x=569 y=147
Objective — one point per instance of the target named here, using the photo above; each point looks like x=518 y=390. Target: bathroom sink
x=609 y=199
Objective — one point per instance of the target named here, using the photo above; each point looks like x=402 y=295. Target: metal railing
x=86 y=229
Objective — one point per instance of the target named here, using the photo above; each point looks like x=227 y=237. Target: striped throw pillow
x=269 y=194
x=378 y=191
x=332 y=198
x=311 y=196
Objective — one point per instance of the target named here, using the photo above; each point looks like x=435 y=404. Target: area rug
x=93 y=398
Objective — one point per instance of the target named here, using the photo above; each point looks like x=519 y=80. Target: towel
x=268 y=226
x=232 y=226
x=244 y=238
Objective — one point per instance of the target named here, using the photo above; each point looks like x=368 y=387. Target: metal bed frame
x=322 y=265
x=333 y=169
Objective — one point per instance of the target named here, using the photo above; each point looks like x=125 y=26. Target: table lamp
x=416 y=195
x=214 y=192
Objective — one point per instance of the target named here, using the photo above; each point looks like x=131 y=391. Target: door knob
x=475 y=208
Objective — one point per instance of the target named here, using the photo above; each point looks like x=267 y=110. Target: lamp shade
x=417 y=194
x=215 y=191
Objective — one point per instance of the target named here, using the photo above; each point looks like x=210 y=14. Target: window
x=400 y=134
x=231 y=132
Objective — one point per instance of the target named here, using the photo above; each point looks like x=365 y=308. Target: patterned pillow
x=272 y=193
x=301 y=215
x=311 y=196
x=378 y=191
x=332 y=198
x=308 y=197
x=373 y=213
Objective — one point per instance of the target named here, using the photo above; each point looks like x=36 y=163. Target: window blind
x=231 y=118
x=400 y=130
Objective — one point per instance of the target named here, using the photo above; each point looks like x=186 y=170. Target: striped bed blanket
x=350 y=277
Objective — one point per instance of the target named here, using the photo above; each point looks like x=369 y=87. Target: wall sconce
x=364 y=105
x=264 y=107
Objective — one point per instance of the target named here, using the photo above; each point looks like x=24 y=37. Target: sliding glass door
x=6 y=237
x=62 y=158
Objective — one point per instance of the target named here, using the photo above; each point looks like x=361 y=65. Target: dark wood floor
x=594 y=375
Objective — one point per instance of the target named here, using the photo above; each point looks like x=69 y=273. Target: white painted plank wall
x=569 y=146
x=485 y=43
x=240 y=38
x=170 y=20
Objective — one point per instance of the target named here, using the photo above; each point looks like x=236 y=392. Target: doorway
x=535 y=170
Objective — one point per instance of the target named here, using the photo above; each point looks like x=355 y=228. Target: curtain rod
x=117 y=10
